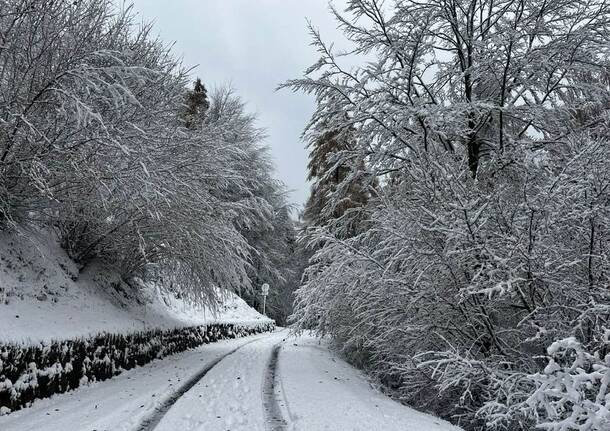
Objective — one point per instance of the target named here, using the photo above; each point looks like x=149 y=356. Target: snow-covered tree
x=197 y=104
x=331 y=175
x=485 y=123
x=102 y=140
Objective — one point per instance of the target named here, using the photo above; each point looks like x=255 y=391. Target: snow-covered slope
x=43 y=296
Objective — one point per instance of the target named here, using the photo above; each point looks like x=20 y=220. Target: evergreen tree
x=338 y=180
x=197 y=104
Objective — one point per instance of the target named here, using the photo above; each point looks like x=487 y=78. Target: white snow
x=118 y=404
x=315 y=389
x=229 y=397
x=43 y=296
x=322 y=392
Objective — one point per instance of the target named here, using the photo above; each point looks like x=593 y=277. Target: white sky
x=253 y=45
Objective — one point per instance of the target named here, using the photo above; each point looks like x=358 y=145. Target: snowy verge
x=320 y=391
x=44 y=296
x=62 y=326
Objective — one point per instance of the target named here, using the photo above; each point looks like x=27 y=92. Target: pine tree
x=338 y=182
x=196 y=105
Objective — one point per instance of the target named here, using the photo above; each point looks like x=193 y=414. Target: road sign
x=265 y=292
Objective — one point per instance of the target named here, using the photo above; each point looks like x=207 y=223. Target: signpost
x=265 y=292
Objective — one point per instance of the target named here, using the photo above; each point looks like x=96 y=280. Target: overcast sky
x=253 y=45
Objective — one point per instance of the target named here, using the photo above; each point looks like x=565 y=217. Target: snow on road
x=229 y=397
x=121 y=403
x=267 y=382
x=313 y=389
x=322 y=392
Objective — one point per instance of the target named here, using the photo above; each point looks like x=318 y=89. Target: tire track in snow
x=150 y=422
x=273 y=411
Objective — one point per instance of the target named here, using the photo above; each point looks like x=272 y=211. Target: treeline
x=104 y=139
x=460 y=209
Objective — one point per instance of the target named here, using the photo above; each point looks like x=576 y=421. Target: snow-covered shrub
x=457 y=288
x=39 y=371
x=572 y=392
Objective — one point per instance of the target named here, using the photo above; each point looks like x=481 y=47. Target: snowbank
x=43 y=296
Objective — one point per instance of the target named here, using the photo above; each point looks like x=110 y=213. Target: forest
x=455 y=244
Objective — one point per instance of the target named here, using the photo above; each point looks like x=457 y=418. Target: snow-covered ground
x=121 y=403
x=230 y=396
x=319 y=391
x=313 y=388
x=43 y=296
x=264 y=382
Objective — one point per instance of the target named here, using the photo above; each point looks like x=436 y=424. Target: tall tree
x=486 y=123
x=339 y=181
x=469 y=77
x=197 y=104
x=93 y=144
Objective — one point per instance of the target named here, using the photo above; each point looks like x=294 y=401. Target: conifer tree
x=338 y=180
x=197 y=104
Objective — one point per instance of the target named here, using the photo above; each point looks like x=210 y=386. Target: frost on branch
x=572 y=392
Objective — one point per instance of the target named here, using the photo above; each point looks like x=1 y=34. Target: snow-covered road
x=265 y=382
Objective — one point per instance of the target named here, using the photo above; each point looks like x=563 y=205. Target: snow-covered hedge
x=38 y=371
